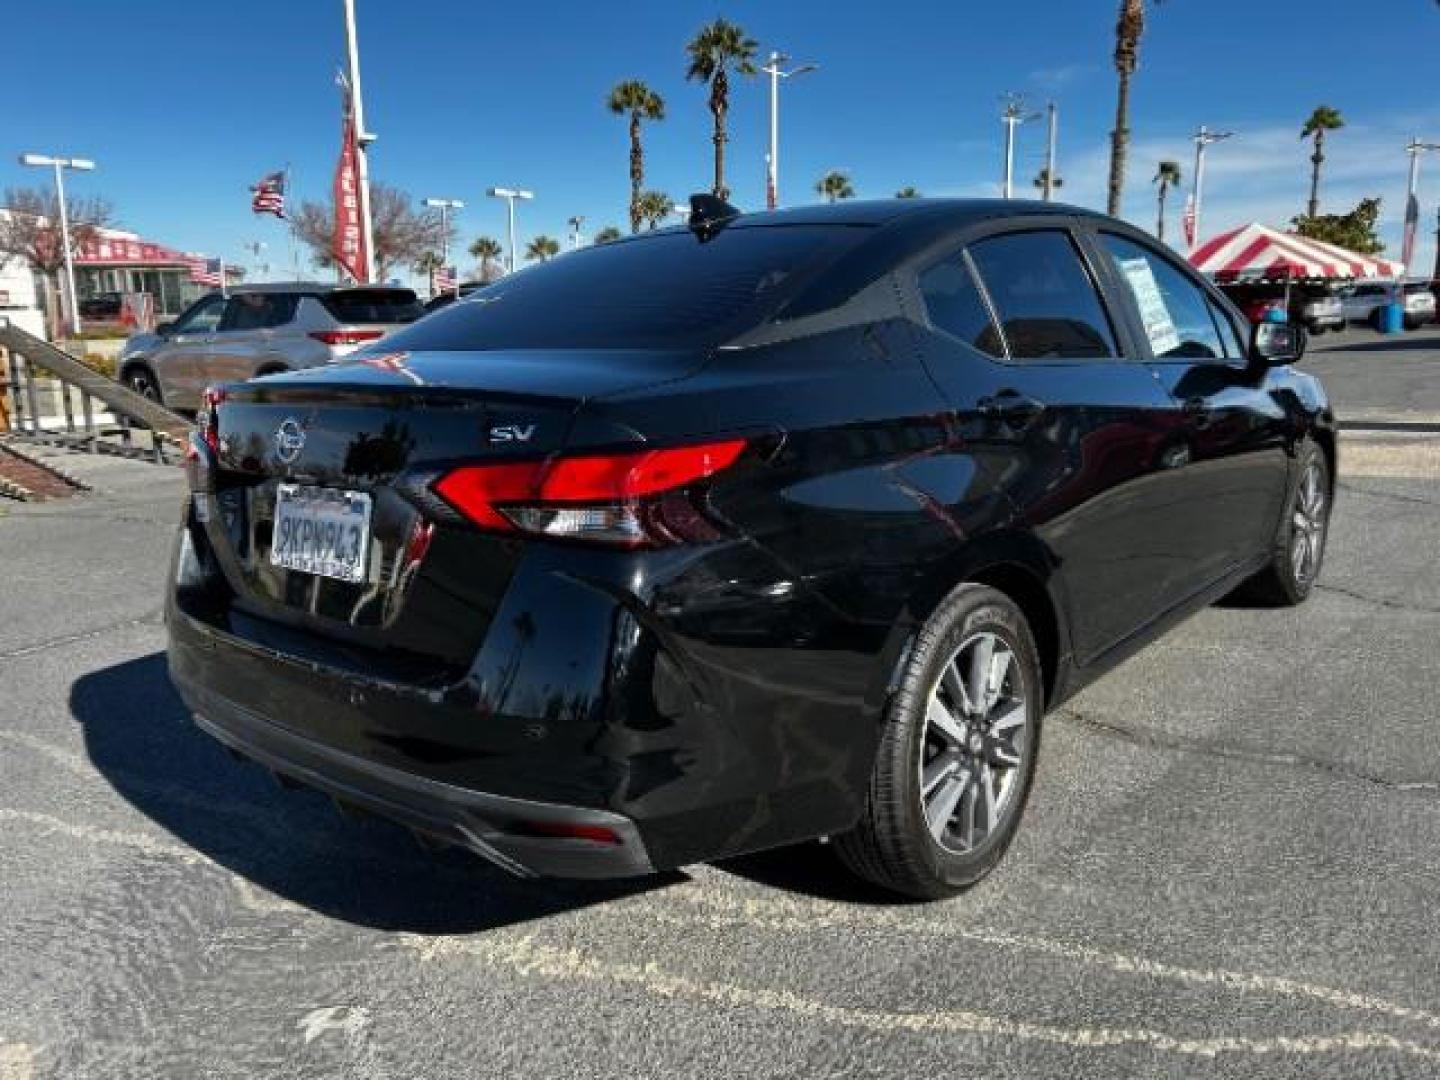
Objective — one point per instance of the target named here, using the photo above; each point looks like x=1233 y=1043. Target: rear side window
x=1173 y=309
x=373 y=305
x=956 y=306
x=258 y=311
x=1047 y=304
x=669 y=290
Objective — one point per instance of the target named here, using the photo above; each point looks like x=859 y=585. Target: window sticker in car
x=1159 y=327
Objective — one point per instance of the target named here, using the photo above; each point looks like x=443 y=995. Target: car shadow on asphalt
x=1413 y=341
x=294 y=844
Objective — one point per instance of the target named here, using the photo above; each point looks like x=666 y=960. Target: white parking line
x=17 y=1061
x=719 y=910
x=527 y=957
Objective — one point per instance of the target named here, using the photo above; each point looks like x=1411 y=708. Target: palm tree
x=1128 y=30
x=655 y=207
x=1167 y=176
x=1055 y=182
x=427 y=264
x=1323 y=119
x=907 y=192
x=835 y=185
x=487 y=250
x=714 y=52
x=639 y=102
x=541 y=249
x=607 y=234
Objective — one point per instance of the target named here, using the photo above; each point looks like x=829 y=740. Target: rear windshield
x=664 y=291
x=1417 y=287
x=373 y=305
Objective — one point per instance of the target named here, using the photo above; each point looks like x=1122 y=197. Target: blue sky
x=184 y=105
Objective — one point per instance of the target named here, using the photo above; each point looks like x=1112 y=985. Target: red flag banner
x=348 y=244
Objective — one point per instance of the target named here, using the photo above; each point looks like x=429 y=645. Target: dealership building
x=113 y=261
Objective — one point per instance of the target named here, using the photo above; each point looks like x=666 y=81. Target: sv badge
x=512 y=433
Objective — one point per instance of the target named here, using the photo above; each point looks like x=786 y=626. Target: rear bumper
x=507 y=831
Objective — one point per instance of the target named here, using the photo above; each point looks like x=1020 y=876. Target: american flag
x=444 y=279
x=268 y=196
x=204 y=271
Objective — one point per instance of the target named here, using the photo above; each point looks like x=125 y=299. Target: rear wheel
x=957 y=753
x=1299 y=548
x=142 y=380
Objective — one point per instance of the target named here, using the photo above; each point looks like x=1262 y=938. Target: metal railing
x=94 y=412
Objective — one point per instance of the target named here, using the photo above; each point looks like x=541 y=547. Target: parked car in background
x=104 y=307
x=445 y=299
x=719 y=538
x=1316 y=305
x=1364 y=302
x=260 y=330
x=1258 y=301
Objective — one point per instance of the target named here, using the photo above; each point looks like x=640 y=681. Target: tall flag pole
x=361 y=139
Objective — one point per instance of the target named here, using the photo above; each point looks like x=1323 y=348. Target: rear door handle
x=1011 y=406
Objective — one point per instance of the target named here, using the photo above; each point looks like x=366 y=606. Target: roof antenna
x=709 y=214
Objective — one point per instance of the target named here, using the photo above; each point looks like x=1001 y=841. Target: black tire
x=142 y=380
x=892 y=845
x=1316 y=330
x=1284 y=582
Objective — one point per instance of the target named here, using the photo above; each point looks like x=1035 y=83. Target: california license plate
x=321 y=531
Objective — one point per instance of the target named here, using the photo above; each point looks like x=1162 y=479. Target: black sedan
x=772 y=527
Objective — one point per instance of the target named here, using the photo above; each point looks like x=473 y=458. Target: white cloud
x=1263 y=174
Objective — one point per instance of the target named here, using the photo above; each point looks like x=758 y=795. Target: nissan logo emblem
x=289 y=440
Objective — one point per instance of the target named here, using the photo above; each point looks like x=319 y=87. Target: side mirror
x=164 y=329
x=1274 y=344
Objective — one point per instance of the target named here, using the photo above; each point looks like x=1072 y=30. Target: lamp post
x=510 y=195
x=1412 y=207
x=1012 y=117
x=1051 y=132
x=575 y=223
x=60 y=164
x=445 y=206
x=363 y=139
x=772 y=160
x=1203 y=138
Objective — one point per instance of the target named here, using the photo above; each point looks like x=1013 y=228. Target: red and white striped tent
x=1255 y=251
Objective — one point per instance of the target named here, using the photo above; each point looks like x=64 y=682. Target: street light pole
x=1052 y=124
x=1412 y=208
x=772 y=160
x=363 y=139
x=445 y=206
x=510 y=195
x=1203 y=138
x=575 y=223
x=60 y=164
x=1013 y=116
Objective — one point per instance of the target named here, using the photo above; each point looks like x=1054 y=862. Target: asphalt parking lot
x=1228 y=866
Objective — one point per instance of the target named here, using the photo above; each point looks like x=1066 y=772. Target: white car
x=1364 y=302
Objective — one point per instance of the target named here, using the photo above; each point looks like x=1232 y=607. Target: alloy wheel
x=1307 y=536
x=975 y=742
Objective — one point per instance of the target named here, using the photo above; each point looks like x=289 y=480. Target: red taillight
x=208 y=418
x=569 y=830
x=610 y=498
x=346 y=337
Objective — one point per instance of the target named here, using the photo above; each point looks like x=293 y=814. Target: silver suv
x=260 y=330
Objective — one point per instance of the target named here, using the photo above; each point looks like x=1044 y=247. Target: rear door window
x=1173 y=309
x=955 y=305
x=258 y=311
x=373 y=305
x=1047 y=304
x=668 y=290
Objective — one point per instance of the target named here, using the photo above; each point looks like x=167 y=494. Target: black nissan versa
x=770 y=527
